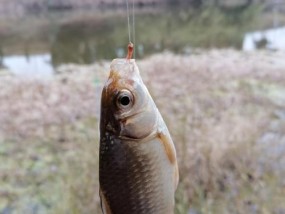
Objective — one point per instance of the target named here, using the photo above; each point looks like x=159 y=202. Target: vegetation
x=224 y=109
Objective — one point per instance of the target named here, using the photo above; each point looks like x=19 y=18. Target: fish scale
x=134 y=187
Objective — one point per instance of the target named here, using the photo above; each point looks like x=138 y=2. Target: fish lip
x=121 y=61
x=124 y=68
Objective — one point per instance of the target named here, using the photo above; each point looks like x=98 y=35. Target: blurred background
x=215 y=68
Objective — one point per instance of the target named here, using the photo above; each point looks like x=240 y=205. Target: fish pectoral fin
x=169 y=147
x=171 y=154
x=104 y=204
x=176 y=176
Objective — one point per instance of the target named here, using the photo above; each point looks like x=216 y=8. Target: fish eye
x=124 y=99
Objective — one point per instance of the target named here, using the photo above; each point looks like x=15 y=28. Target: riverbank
x=224 y=108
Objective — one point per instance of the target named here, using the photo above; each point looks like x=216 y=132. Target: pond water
x=272 y=39
x=30 y=66
x=36 y=45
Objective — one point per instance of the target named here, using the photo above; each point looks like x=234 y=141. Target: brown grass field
x=225 y=110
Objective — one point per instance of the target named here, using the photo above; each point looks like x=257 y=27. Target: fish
x=138 y=169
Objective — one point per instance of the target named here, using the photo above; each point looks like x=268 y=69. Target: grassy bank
x=224 y=109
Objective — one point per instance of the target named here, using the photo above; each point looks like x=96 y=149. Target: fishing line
x=133 y=36
x=128 y=15
x=134 y=29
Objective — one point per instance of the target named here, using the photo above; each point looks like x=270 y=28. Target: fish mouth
x=126 y=69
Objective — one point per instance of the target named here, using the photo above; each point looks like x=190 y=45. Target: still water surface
x=30 y=66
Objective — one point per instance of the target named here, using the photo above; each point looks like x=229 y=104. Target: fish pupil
x=125 y=100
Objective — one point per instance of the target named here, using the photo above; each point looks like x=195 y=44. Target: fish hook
x=130 y=50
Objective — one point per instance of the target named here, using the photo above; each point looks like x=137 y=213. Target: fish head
x=127 y=109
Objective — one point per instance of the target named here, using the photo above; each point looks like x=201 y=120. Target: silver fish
x=138 y=169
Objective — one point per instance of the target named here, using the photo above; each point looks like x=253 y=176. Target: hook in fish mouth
x=130 y=50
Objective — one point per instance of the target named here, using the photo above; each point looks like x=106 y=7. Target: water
x=36 y=45
x=272 y=39
x=29 y=66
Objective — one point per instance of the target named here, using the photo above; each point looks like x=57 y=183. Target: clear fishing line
x=128 y=16
x=134 y=29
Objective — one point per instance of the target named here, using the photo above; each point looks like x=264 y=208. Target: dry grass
x=218 y=106
x=224 y=109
